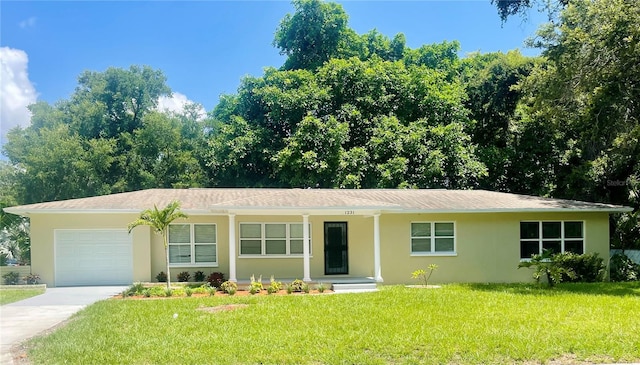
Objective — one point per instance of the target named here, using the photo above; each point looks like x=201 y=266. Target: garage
x=93 y=257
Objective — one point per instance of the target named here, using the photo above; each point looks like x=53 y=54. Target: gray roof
x=221 y=200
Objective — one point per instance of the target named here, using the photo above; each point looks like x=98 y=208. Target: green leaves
x=312 y=35
x=313 y=154
x=159 y=220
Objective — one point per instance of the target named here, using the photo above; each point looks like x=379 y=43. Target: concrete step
x=354 y=287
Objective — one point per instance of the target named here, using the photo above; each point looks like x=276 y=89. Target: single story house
x=310 y=234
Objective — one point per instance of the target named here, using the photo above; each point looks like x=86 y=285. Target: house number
x=349 y=212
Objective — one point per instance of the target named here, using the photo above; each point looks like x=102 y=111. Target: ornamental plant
x=32 y=279
x=229 y=287
x=215 y=279
x=321 y=287
x=11 y=278
x=184 y=276
x=161 y=277
x=198 y=276
x=545 y=265
x=255 y=286
x=274 y=286
x=423 y=275
x=297 y=286
x=159 y=220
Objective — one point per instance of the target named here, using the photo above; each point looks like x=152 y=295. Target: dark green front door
x=336 y=259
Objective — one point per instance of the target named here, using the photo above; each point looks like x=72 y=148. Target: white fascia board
x=30 y=212
x=515 y=210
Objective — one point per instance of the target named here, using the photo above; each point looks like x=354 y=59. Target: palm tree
x=159 y=220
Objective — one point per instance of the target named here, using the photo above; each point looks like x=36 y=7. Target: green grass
x=460 y=324
x=13 y=295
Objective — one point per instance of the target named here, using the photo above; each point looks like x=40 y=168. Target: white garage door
x=93 y=257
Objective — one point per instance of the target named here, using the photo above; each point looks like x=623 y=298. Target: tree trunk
x=166 y=253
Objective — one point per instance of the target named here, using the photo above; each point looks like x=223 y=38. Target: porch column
x=305 y=248
x=232 y=248
x=376 y=248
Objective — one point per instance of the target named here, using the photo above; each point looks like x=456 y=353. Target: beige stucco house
x=310 y=234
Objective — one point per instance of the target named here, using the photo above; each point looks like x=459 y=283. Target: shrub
x=623 y=268
x=255 y=286
x=161 y=277
x=567 y=266
x=200 y=290
x=274 y=286
x=158 y=291
x=11 y=278
x=32 y=279
x=215 y=279
x=544 y=264
x=135 y=289
x=321 y=287
x=146 y=293
x=198 y=276
x=184 y=276
x=211 y=291
x=229 y=287
x=297 y=286
x=588 y=268
x=168 y=292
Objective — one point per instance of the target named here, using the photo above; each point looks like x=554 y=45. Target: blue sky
x=206 y=47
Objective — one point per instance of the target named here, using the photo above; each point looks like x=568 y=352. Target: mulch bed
x=239 y=293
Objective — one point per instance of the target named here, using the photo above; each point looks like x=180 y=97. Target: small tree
x=159 y=220
x=423 y=276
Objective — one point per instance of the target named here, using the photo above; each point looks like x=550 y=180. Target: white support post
x=305 y=248
x=376 y=248
x=232 y=248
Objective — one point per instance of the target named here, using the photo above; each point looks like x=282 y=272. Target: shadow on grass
x=606 y=288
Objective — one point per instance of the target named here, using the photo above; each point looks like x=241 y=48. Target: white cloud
x=16 y=89
x=28 y=23
x=176 y=104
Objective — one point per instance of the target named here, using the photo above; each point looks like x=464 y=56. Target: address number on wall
x=349 y=212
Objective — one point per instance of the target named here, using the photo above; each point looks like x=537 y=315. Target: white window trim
x=562 y=239
x=264 y=239
x=433 y=243
x=193 y=244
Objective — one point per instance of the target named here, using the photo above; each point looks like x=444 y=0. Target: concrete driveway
x=27 y=318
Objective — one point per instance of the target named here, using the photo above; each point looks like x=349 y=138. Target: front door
x=336 y=259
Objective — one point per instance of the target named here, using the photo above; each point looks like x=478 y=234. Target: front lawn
x=13 y=295
x=460 y=324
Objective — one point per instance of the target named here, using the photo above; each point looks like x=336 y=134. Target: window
x=555 y=236
x=432 y=238
x=272 y=239
x=193 y=245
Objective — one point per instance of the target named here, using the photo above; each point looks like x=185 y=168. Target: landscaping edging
x=24 y=286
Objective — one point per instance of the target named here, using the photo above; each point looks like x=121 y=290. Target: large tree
x=312 y=35
x=107 y=137
x=588 y=91
x=323 y=127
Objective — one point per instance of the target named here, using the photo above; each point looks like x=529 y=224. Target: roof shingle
x=396 y=200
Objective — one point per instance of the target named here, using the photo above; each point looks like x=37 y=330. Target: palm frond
x=158 y=219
